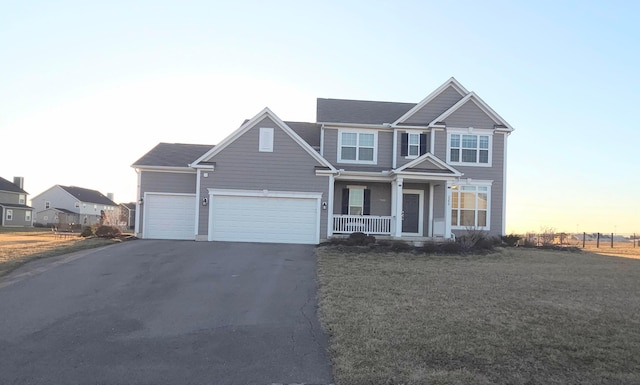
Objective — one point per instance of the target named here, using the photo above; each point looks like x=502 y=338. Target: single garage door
x=169 y=216
x=272 y=219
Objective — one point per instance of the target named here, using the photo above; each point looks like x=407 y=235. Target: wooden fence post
x=584 y=238
x=598 y=241
x=612 y=240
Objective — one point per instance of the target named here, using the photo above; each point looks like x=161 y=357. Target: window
x=357 y=147
x=470 y=207
x=47 y=205
x=266 y=139
x=470 y=149
x=356 y=200
x=27 y=216
x=413 y=144
x=77 y=205
x=22 y=199
x=9 y=214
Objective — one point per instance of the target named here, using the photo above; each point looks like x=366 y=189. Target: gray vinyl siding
x=18 y=217
x=402 y=160
x=494 y=173
x=385 y=151
x=166 y=182
x=470 y=115
x=241 y=166
x=380 y=196
x=11 y=197
x=58 y=198
x=435 y=107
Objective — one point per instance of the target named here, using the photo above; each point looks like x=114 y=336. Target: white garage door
x=273 y=219
x=169 y=216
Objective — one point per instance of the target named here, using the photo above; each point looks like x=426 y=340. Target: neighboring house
x=127 y=218
x=14 y=211
x=403 y=170
x=70 y=206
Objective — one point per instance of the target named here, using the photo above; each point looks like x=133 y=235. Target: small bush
x=431 y=247
x=451 y=248
x=360 y=239
x=87 y=231
x=511 y=240
x=108 y=232
x=474 y=240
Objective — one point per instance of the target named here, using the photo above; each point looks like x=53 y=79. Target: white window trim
x=47 y=205
x=477 y=183
x=9 y=215
x=359 y=188
x=266 y=139
x=358 y=131
x=470 y=131
x=77 y=204
x=22 y=199
x=409 y=133
x=27 y=216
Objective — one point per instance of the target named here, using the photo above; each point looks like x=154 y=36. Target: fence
x=583 y=240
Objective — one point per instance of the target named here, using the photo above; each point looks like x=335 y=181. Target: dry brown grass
x=620 y=249
x=19 y=247
x=520 y=316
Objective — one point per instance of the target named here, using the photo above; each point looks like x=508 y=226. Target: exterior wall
x=18 y=217
x=470 y=115
x=11 y=197
x=435 y=107
x=402 y=160
x=58 y=198
x=166 y=182
x=385 y=151
x=241 y=166
x=380 y=196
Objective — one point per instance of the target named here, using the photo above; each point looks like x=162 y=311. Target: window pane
x=469 y=141
x=484 y=142
x=355 y=210
x=349 y=139
x=348 y=153
x=467 y=200
x=366 y=154
x=366 y=140
x=455 y=155
x=414 y=139
x=356 y=197
x=482 y=218
x=469 y=156
x=482 y=201
x=455 y=140
x=468 y=188
x=454 y=217
x=484 y=156
x=467 y=218
x=414 y=150
x=455 y=200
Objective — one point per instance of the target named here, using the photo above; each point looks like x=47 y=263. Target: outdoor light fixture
x=140 y=201
x=205 y=201
x=324 y=205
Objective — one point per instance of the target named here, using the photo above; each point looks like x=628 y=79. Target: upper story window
x=469 y=149
x=22 y=199
x=266 y=139
x=413 y=144
x=77 y=204
x=357 y=147
x=47 y=205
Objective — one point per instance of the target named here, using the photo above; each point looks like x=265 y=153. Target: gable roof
x=439 y=167
x=359 y=111
x=501 y=124
x=452 y=82
x=172 y=155
x=266 y=112
x=87 y=195
x=5 y=185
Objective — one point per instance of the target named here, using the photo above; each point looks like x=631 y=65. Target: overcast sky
x=86 y=87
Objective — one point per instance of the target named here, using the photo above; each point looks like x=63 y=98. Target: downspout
x=138 y=208
x=395 y=149
x=197 y=219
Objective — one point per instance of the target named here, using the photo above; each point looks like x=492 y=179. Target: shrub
x=431 y=247
x=475 y=240
x=451 y=248
x=360 y=239
x=107 y=231
x=511 y=239
x=87 y=231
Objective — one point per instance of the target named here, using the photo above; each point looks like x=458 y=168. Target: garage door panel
x=264 y=219
x=169 y=216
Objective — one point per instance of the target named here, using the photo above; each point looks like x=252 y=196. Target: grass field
x=19 y=247
x=520 y=316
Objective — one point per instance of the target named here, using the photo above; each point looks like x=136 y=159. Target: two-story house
x=71 y=206
x=14 y=211
x=423 y=170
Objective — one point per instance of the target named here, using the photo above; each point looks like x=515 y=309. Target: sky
x=87 y=88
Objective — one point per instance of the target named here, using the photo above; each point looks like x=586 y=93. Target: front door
x=411 y=213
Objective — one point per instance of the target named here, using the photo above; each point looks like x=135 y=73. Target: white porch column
x=430 y=220
x=330 y=206
x=447 y=211
x=396 y=194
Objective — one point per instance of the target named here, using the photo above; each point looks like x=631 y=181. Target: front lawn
x=519 y=316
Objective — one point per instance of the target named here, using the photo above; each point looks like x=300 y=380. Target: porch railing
x=368 y=224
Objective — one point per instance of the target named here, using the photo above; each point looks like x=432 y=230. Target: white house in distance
x=73 y=206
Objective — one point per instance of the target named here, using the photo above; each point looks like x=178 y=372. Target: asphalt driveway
x=165 y=312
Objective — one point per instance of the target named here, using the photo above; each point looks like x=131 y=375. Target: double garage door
x=237 y=216
x=264 y=217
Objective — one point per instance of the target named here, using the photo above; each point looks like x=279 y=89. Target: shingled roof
x=359 y=111
x=6 y=185
x=89 y=196
x=173 y=155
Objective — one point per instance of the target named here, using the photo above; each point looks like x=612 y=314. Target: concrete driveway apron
x=165 y=312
